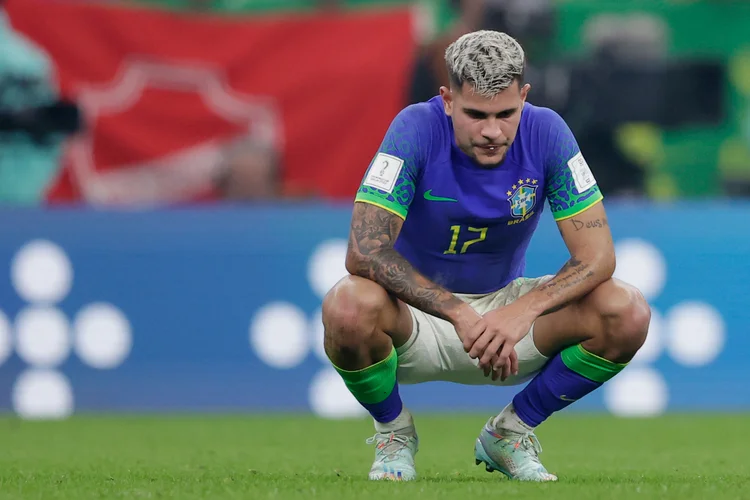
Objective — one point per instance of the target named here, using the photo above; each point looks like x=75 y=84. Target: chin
x=490 y=163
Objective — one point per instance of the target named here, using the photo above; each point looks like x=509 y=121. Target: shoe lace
x=528 y=442
x=389 y=445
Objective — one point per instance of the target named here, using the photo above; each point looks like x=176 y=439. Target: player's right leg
x=588 y=342
x=362 y=324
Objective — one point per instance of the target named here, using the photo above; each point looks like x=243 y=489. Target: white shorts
x=435 y=353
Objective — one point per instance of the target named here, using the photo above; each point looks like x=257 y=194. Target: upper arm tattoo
x=373 y=228
x=589 y=224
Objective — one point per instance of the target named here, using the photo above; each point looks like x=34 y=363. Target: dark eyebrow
x=476 y=112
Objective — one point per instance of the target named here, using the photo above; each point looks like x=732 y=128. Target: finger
x=510 y=367
x=486 y=369
x=505 y=353
x=497 y=366
x=499 y=363
x=478 y=349
x=512 y=360
x=475 y=332
x=505 y=371
x=503 y=357
x=495 y=374
x=492 y=350
x=491 y=371
x=480 y=346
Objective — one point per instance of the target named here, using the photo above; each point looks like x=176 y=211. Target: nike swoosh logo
x=565 y=398
x=429 y=197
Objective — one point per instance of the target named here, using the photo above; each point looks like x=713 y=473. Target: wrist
x=531 y=305
x=462 y=313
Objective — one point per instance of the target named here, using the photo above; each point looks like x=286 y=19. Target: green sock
x=590 y=365
x=376 y=388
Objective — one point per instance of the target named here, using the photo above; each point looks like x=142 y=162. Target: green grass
x=677 y=457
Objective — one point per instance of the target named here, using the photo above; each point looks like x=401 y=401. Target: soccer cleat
x=394 y=456
x=513 y=454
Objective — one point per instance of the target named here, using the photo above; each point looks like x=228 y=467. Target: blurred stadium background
x=176 y=179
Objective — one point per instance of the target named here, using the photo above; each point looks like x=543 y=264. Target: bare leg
x=362 y=324
x=611 y=322
x=589 y=342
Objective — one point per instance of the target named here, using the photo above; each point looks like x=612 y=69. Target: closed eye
x=475 y=114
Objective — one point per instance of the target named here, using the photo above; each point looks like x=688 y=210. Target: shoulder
x=422 y=116
x=550 y=137
x=541 y=121
x=418 y=128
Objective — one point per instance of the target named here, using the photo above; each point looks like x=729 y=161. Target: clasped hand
x=492 y=338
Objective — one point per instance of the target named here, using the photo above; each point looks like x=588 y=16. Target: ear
x=447 y=96
x=525 y=91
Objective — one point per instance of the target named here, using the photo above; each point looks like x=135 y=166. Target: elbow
x=606 y=264
x=355 y=263
x=600 y=264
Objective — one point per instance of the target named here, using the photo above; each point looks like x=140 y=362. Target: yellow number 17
x=454 y=241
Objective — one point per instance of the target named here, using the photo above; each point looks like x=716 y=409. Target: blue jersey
x=466 y=227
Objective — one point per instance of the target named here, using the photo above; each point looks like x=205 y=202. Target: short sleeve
x=391 y=178
x=571 y=186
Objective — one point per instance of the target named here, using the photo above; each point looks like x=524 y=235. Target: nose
x=491 y=130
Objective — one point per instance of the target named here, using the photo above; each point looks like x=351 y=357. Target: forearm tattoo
x=572 y=274
x=374 y=231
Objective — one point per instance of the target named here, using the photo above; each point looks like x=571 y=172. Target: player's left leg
x=589 y=342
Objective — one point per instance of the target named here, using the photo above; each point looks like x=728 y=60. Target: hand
x=468 y=323
x=494 y=345
x=506 y=370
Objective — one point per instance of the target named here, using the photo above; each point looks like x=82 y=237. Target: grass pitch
x=281 y=457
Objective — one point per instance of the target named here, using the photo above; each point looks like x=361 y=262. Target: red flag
x=165 y=93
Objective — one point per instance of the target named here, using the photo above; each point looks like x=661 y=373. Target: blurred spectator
x=430 y=71
x=34 y=121
x=249 y=171
x=531 y=22
x=626 y=56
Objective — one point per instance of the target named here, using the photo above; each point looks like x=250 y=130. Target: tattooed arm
x=371 y=255
x=592 y=261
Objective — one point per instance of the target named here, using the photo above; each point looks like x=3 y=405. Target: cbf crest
x=522 y=199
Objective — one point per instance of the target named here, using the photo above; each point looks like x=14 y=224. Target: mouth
x=491 y=148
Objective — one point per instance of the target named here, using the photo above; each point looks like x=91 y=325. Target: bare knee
x=624 y=315
x=352 y=314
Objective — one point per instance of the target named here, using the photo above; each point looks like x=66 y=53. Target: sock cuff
x=372 y=384
x=590 y=365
